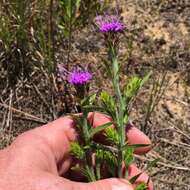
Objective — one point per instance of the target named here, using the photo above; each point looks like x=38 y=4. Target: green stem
x=91 y=175
x=98 y=174
x=85 y=128
x=88 y=157
x=120 y=108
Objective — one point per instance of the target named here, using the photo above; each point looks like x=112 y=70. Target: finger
x=59 y=133
x=106 y=184
x=133 y=171
x=47 y=146
x=134 y=135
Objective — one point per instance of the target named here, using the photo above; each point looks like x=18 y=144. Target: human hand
x=37 y=159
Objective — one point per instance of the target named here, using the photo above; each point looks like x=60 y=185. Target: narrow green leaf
x=90 y=174
x=134 y=146
x=108 y=103
x=84 y=171
x=78 y=120
x=93 y=131
x=134 y=179
x=78 y=4
x=89 y=100
x=69 y=8
x=102 y=147
x=92 y=108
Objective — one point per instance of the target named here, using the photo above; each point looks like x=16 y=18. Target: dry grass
x=163 y=43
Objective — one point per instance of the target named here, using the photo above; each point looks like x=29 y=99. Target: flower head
x=109 y=23
x=79 y=76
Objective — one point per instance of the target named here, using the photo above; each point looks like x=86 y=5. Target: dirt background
x=161 y=44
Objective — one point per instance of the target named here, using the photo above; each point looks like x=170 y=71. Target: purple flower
x=109 y=23
x=79 y=76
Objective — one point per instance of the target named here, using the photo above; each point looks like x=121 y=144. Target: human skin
x=37 y=159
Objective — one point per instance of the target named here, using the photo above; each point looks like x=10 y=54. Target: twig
x=181 y=102
x=156 y=155
x=34 y=118
x=164 y=164
x=179 y=144
x=28 y=119
x=178 y=130
x=9 y=115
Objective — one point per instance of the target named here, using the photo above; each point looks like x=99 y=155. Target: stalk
x=119 y=109
x=88 y=155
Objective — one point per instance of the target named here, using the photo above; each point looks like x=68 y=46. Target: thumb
x=106 y=184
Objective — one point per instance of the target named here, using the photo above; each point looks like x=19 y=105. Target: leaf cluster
x=77 y=151
x=108 y=159
x=133 y=86
x=112 y=136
